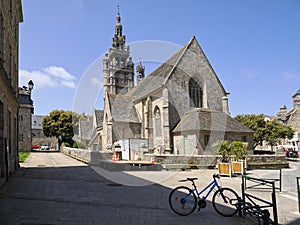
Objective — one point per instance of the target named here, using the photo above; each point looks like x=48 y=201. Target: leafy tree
x=61 y=124
x=271 y=131
x=275 y=131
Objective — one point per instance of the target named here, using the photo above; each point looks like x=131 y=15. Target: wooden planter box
x=238 y=167
x=225 y=169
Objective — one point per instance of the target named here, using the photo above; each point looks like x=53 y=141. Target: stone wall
x=267 y=161
x=210 y=161
x=179 y=161
x=86 y=156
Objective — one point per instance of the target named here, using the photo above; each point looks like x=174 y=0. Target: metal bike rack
x=265 y=183
x=252 y=198
x=298 y=188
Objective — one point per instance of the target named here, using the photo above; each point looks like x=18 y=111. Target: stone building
x=95 y=142
x=38 y=137
x=25 y=113
x=292 y=118
x=10 y=17
x=181 y=105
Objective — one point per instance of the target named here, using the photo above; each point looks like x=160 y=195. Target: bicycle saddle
x=189 y=179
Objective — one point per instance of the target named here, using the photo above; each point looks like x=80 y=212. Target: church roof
x=297 y=93
x=162 y=74
x=206 y=120
x=122 y=108
x=99 y=117
x=86 y=129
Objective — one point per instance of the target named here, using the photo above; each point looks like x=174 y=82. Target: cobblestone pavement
x=53 y=189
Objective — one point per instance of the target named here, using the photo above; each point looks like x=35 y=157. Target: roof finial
x=118 y=8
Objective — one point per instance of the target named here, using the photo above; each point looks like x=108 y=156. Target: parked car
x=34 y=147
x=44 y=147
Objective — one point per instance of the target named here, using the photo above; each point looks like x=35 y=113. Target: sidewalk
x=62 y=191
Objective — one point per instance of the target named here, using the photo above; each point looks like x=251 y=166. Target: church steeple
x=118 y=68
x=118 y=39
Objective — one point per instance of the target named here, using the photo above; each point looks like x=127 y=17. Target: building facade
x=38 y=137
x=164 y=106
x=25 y=113
x=292 y=118
x=10 y=17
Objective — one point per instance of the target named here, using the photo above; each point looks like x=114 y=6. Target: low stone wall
x=179 y=161
x=268 y=161
x=210 y=161
x=86 y=156
x=184 y=162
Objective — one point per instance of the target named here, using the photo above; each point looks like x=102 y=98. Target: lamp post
x=30 y=85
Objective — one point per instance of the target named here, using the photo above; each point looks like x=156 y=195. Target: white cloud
x=52 y=76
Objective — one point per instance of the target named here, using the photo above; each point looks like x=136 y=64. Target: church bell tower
x=118 y=68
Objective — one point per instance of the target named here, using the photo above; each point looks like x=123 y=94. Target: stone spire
x=140 y=72
x=118 y=68
x=118 y=39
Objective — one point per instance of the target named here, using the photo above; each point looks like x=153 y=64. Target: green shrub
x=81 y=145
x=66 y=144
x=23 y=156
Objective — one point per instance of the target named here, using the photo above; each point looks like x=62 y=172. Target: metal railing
x=264 y=183
x=257 y=202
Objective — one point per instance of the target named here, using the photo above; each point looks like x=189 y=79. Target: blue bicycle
x=183 y=200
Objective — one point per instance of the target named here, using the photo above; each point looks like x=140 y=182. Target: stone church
x=292 y=118
x=179 y=108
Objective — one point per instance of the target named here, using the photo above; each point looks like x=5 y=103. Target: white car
x=44 y=147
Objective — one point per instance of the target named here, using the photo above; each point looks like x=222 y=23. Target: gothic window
x=195 y=94
x=157 y=117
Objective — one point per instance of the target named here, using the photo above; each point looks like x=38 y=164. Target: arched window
x=157 y=117
x=195 y=93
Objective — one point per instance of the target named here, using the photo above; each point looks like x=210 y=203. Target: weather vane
x=118 y=8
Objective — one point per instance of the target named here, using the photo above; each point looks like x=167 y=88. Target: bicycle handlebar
x=216 y=176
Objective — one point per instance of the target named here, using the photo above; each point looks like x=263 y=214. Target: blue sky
x=253 y=46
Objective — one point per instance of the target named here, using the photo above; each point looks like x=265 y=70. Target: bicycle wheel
x=182 y=201
x=225 y=202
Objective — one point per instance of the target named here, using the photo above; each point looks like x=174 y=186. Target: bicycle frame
x=212 y=186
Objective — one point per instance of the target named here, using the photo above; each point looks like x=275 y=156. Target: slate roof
x=99 y=117
x=86 y=129
x=159 y=77
x=297 y=93
x=122 y=108
x=206 y=120
x=24 y=99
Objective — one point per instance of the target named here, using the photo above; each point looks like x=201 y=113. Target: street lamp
x=30 y=85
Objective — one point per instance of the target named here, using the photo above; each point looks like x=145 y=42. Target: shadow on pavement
x=79 y=195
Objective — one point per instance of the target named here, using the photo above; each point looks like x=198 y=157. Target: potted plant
x=223 y=148
x=239 y=152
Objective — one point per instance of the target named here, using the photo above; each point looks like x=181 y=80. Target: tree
x=275 y=131
x=271 y=131
x=61 y=124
